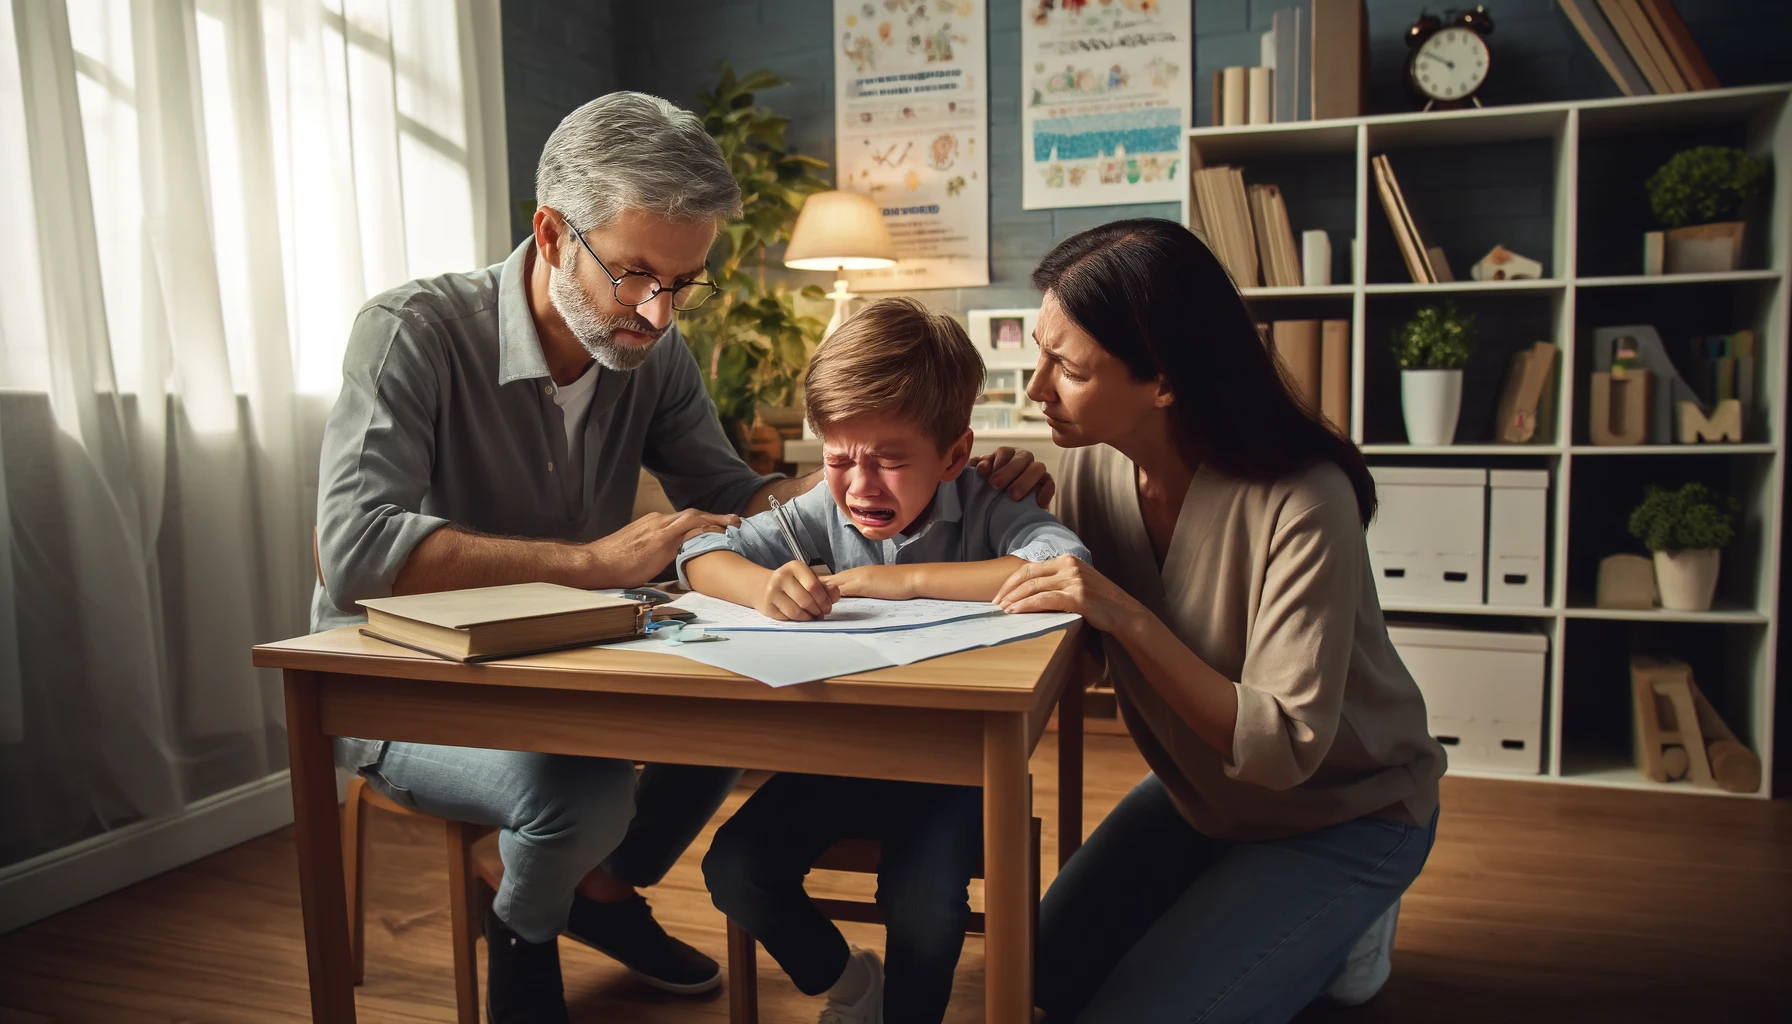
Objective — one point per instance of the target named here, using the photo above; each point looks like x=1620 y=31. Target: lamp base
x=843 y=300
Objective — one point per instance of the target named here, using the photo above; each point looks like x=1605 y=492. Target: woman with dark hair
x=1293 y=788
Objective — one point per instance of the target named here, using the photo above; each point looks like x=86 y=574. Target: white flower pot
x=1687 y=579
x=1431 y=400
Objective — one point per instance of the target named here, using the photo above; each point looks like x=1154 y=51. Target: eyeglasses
x=635 y=289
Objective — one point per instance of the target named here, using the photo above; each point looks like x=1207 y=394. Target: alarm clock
x=1448 y=63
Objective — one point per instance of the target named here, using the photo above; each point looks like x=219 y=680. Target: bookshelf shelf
x=1754 y=448
x=1658 y=280
x=1562 y=183
x=1461 y=449
x=1545 y=286
x=1335 y=291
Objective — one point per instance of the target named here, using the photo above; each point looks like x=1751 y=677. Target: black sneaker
x=627 y=933
x=522 y=978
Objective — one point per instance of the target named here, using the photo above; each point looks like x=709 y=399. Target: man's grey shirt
x=969 y=521
x=447 y=415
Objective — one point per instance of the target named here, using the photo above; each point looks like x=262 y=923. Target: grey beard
x=593 y=329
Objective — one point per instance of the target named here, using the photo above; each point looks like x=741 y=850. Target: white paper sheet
x=905 y=647
x=850 y=615
x=785 y=658
x=776 y=659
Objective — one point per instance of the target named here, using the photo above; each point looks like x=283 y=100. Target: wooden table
x=971 y=718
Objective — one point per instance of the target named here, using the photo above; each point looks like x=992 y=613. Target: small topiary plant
x=1438 y=337
x=1703 y=185
x=1692 y=518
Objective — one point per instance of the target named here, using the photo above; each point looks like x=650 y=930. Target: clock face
x=1451 y=64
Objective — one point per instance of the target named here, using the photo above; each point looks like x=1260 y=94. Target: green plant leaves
x=1437 y=337
x=1692 y=518
x=750 y=342
x=1703 y=185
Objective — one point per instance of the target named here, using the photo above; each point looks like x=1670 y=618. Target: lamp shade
x=840 y=231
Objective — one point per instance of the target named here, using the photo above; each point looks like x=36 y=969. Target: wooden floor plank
x=1540 y=903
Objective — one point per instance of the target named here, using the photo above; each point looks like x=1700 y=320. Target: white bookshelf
x=1739 y=634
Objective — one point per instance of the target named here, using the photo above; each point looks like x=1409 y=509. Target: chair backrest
x=317 y=563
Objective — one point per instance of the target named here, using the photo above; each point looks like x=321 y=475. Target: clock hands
x=1446 y=63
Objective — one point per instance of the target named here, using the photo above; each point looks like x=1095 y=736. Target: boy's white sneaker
x=1366 y=969
x=869 y=1007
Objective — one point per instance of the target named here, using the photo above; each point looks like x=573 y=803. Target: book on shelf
x=1397 y=219
x=1685 y=53
x=1637 y=36
x=501 y=622
x=1260 y=95
x=1226 y=216
x=1516 y=415
x=1597 y=33
x=1275 y=238
x=1723 y=367
x=1334 y=374
x=1297 y=345
x=1236 y=96
x=1286 y=24
x=1339 y=73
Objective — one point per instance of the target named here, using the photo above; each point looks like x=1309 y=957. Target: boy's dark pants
x=932 y=843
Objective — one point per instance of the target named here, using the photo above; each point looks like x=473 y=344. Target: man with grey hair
x=491 y=429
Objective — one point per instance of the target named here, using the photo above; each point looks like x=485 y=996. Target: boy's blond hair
x=898 y=357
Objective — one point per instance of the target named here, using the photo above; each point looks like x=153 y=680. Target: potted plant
x=1685 y=529
x=1430 y=349
x=751 y=340
x=1694 y=195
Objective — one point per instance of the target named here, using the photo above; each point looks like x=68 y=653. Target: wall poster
x=911 y=101
x=1106 y=100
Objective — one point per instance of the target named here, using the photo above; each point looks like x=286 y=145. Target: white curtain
x=195 y=198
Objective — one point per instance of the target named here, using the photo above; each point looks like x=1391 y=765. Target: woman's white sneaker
x=1366 y=969
x=869 y=1007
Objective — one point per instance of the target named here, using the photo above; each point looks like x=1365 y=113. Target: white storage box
x=1517 y=531
x=1427 y=543
x=1483 y=692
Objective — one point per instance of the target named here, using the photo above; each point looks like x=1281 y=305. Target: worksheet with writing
x=850 y=615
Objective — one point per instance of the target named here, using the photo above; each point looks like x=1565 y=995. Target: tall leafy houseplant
x=1430 y=349
x=1685 y=529
x=750 y=341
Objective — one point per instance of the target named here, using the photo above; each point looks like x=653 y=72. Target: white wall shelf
x=1565 y=161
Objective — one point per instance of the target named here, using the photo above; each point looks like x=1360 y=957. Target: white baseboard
x=53 y=882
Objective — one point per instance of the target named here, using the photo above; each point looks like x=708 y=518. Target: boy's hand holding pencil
x=793 y=593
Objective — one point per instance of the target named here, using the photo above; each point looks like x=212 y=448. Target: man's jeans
x=1153 y=921
x=558 y=817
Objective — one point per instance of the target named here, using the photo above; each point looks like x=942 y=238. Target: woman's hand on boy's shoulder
x=1016 y=471
x=888 y=582
x=793 y=593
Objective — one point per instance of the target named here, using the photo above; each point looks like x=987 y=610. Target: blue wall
x=559 y=53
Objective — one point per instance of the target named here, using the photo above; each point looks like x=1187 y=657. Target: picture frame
x=1004 y=337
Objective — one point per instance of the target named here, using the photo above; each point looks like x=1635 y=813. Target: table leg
x=1070 y=768
x=1007 y=905
x=318 y=836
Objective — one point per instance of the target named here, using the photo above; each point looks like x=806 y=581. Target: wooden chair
x=471 y=885
x=855 y=855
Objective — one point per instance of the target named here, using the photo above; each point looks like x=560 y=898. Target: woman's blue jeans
x=1151 y=921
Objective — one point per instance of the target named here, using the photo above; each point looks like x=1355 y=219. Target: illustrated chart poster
x=1105 y=101
x=912 y=129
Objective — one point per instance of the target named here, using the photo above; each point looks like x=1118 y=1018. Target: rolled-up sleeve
x=1298 y=655
x=377 y=457
x=757 y=539
x=687 y=450
x=1023 y=529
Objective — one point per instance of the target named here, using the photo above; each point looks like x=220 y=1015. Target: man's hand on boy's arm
x=789 y=593
x=1016 y=471
x=949 y=581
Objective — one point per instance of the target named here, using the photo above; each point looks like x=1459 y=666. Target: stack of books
x=1247 y=227
x=1642 y=44
x=1313 y=64
x=1418 y=247
x=1315 y=357
x=1723 y=367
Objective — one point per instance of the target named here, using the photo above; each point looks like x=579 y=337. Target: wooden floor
x=1541 y=903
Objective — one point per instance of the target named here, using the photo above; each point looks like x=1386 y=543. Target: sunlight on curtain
x=195 y=198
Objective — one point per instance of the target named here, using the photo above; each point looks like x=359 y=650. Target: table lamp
x=840 y=231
